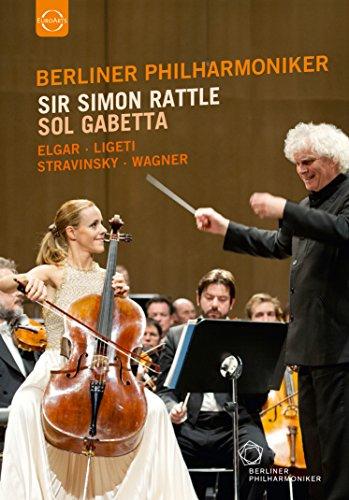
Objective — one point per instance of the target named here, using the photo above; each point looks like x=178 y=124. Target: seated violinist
x=15 y=364
x=152 y=336
x=151 y=352
x=202 y=426
x=33 y=468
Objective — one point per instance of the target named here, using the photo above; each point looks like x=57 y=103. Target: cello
x=94 y=405
x=280 y=421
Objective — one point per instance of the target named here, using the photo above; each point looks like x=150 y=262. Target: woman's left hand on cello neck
x=120 y=286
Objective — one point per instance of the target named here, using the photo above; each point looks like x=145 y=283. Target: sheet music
x=181 y=352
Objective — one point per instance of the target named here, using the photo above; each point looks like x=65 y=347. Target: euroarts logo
x=52 y=18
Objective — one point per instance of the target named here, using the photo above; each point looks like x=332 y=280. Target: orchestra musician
x=184 y=310
x=161 y=309
x=34 y=469
x=152 y=336
x=15 y=364
x=315 y=233
x=280 y=415
x=203 y=427
x=264 y=307
x=152 y=346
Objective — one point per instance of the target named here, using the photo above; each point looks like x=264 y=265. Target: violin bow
x=50 y=306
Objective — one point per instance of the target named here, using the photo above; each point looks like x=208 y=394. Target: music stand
x=258 y=358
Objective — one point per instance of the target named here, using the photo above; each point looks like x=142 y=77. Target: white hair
x=323 y=139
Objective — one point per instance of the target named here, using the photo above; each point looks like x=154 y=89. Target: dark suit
x=11 y=378
x=10 y=375
x=205 y=438
x=316 y=234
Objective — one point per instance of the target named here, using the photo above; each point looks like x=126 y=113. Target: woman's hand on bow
x=35 y=288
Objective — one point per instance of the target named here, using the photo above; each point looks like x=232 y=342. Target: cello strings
x=66 y=316
x=263 y=412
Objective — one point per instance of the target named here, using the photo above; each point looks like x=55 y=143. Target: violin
x=280 y=420
x=94 y=405
x=28 y=334
x=146 y=361
x=142 y=372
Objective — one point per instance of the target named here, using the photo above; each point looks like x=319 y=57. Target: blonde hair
x=260 y=298
x=54 y=245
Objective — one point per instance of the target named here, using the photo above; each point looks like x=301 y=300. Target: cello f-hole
x=78 y=366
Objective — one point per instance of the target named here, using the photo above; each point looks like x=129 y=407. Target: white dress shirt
x=7 y=338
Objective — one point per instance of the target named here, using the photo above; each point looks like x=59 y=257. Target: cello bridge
x=291 y=411
x=100 y=363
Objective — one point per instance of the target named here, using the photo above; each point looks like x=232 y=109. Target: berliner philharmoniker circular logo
x=250 y=453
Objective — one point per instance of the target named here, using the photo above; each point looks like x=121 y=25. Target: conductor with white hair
x=315 y=232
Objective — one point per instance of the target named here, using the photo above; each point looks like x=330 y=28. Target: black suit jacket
x=171 y=397
x=10 y=375
x=316 y=234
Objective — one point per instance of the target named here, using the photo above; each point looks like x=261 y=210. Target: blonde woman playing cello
x=33 y=468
